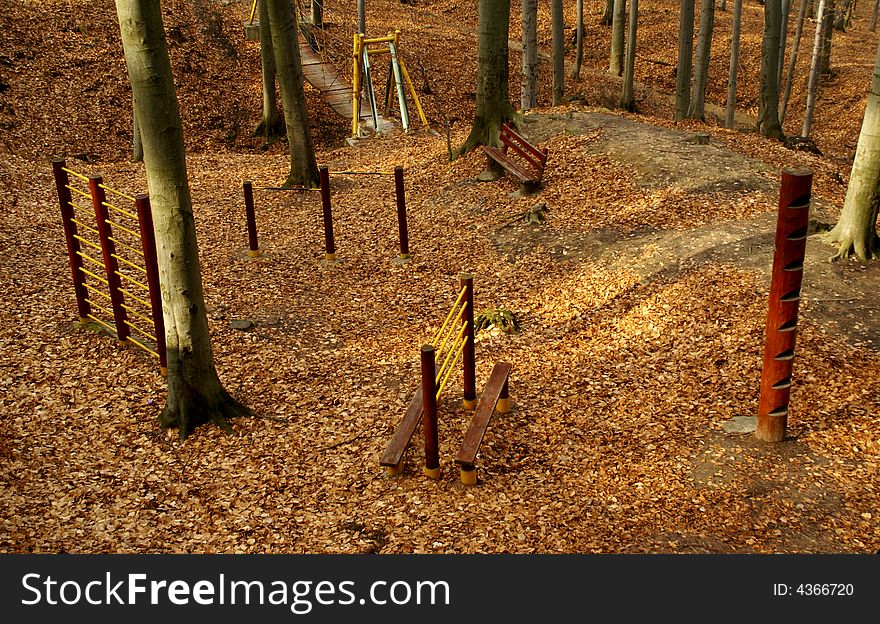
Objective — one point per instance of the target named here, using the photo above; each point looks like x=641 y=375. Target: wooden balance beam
x=495 y=397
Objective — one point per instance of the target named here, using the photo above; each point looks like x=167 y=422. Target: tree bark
x=362 y=17
x=841 y=17
x=557 y=27
x=317 y=17
x=579 y=40
x=195 y=394
x=828 y=30
x=874 y=13
x=697 y=109
x=815 y=66
x=285 y=43
x=792 y=60
x=856 y=232
x=768 y=109
x=137 y=154
x=529 y=72
x=627 y=98
x=783 y=36
x=608 y=15
x=615 y=64
x=272 y=124
x=493 y=102
x=730 y=117
x=685 y=59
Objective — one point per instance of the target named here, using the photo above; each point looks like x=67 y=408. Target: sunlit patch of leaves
x=501 y=318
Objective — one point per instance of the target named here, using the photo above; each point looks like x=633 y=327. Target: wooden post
x=62 y=181
x=251 y=220
x=151 y=263
x=429 y=413
x=468 y=356
x=401 y=213
x=788 y=268
x=111 y=264
x=329 y=243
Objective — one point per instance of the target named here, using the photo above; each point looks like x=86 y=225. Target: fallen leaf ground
x=641 y=305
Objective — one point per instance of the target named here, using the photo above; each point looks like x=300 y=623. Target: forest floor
x=641 y=302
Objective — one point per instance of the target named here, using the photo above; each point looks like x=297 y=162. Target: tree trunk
x=815 y=63
x=828 y=30
x=768 y=109
x=529 y=72
x=195 y=394
x=272 y=124
x=685 y=59
x=137 y=152
x=615 y=65
x=734 y=64
x=697 y=109
x=557 y=27
x=579 y=40
x=362 y=17
x=783 y=36
x=874 y=13
x=842 y=15
x=285 y=43
x=608 y=14
x=856 y=232
x=493 y=102
x=627 y=99
x=792 y=60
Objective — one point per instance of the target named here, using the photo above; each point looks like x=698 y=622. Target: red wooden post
x=429 y=413
x=251 y=219
x=111 y=264
x=401 y=213
x=329 y=243
x=62 y=181
x=468 y=355
x=788 y=269
x=151 y=262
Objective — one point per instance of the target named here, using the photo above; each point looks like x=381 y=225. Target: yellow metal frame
x=359 y=49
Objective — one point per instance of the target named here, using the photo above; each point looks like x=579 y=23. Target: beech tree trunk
x=615 y=64
x=285 y=43
x=137 y=154
x=783 y=36
x=856 y=232
x=557 y=27
x=697 y=109
x=828 y=30
x=730 y=117
x=493 y=102
x=362 y=17
x=627 y=98
x=529 y=72
x=874 y=13
x=195 y=394
x=685 y=59
x=272 y=124
x=815 y=66
x=608 y=15
x=768 y=109
x=579 y=40
x=792 y=60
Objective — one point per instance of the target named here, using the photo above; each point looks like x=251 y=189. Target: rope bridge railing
x=111 y=246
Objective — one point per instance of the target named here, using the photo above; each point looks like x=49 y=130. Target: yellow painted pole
x=412 y=90
x=253 y=10
x=356 y=86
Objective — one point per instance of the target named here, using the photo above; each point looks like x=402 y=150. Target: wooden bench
x=393 y=457
x=495 y=395
x=519 y=157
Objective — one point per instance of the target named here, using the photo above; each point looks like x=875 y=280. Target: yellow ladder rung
x=120 y=210
x=74 y=173
x=85 y=227
x=100 y=307
x=131 y=264
x=143 y=346
x=97 y=277
x=132 y=280
x=100 y=322
x=135 y=297
x=129 y=247
x=94 y=291
x=140 y=331
x=454 y=362
x=87 y=242
x=449 y=316
x=123 y=228
x=134 y=312
x=77 y=191
x=120 y=193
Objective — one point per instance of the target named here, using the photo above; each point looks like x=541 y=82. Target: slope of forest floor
x=640 y=300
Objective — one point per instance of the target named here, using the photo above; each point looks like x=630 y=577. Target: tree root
x=191 y=409
x=867 y=248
